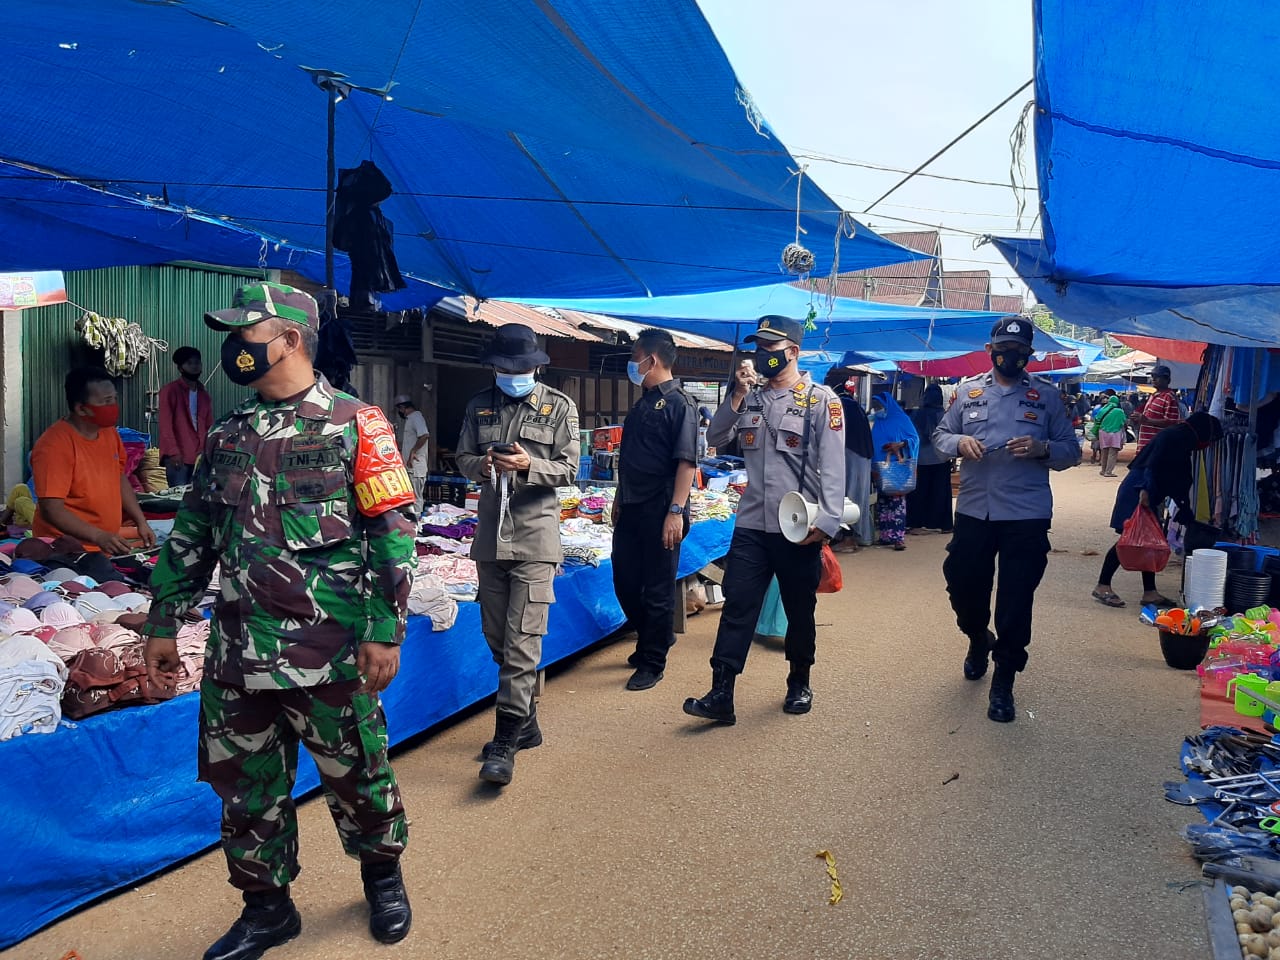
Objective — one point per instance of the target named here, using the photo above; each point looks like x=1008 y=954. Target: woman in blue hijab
x=893 y=438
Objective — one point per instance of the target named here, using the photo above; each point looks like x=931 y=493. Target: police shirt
x=660 y=431
x=1001 y=486
x=770 y=430
x=545 y=424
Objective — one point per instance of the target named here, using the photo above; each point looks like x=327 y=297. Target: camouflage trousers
x=249 y=756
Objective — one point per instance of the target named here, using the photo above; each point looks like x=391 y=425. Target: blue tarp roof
x=873 y=329
x=559 y=148
x=1158 y=168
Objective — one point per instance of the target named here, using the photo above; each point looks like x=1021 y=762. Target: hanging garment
x=361 y=230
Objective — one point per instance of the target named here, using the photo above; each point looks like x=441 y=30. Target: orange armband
x=382 y=482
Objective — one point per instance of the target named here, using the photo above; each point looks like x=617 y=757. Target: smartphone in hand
x=505 y=449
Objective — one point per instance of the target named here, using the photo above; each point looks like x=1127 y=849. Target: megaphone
x=796 y=516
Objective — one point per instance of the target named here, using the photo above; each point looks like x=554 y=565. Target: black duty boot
x=268 y=920
x=500 y=765
x=645 y=678
x=389 y=914
x=717 y=705
x=1001 y=708
x=530 y=733
x=975 y=661
x=799 y=695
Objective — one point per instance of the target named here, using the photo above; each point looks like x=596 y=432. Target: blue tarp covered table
x=91 y=809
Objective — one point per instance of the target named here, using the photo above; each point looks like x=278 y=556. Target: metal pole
x=330 y=189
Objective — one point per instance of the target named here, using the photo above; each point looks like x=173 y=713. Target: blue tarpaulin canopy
x=1158 y=168
x=874 y=330
x=559 y=148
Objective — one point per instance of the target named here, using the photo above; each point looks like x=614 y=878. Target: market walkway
x=636 y=832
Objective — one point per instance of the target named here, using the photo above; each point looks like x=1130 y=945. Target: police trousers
x=755 y=558
x=1022 y=547
x=515 y=601
x=644 y=578
x=249 y=756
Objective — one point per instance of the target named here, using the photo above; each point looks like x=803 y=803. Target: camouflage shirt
x=307 y=574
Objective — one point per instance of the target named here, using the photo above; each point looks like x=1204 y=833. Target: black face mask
x=1009 y=363
x=770 y=363
x=246 y=363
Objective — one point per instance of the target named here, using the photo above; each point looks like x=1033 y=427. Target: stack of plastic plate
x=1206 y=579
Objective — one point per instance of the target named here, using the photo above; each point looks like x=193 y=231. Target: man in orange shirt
x=78 y=465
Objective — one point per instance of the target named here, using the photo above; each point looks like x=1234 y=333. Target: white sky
x=889 y=82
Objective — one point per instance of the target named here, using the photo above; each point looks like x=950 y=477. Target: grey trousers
x=857 y=487
x=419 y=485
x=515 y=599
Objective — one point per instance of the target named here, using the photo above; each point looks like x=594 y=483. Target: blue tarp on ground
x=873 y=329
x=1158 y=170
x=559 y=148
x=89 y=810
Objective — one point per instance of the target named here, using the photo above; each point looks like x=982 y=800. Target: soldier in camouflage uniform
x=299 y=495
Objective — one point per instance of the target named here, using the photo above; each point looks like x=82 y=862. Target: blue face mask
x=516 y=384
x=633 y=372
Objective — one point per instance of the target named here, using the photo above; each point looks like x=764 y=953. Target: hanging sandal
x=1108 y=599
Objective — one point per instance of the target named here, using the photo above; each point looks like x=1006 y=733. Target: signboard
x=39 y=289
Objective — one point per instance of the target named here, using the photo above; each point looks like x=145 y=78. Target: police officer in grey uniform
x=790 y=431
x=1010 y=429
x=519 y=441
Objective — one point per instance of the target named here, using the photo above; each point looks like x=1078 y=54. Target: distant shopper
x=1111 y=423
x=186 y=416
x=894 y=440
x=857 y=460
x=651 y=511
x=1011 y=429
x=1161 y=471
x=1161 y=410
x=78 y=465
x=929 y=504
x=413 y=446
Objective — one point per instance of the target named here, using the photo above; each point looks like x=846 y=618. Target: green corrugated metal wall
x=168 y=302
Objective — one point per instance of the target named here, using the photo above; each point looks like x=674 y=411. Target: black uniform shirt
x=660 y=431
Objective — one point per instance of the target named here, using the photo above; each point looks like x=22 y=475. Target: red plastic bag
x=832 y=580
x=1143 y=545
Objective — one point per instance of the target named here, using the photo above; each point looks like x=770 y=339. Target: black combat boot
x=530 y=733
x=269 y=919
x=500 y=766
x=717 y=705
x=389 y=914
x=799 y=695
x=975 y=661
x=1001 y=708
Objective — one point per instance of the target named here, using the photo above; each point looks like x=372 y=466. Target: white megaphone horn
x=796 y=516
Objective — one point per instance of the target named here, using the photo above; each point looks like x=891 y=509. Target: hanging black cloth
x=365 y=235
x=335 y=351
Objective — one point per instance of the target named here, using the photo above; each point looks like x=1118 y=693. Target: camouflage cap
x=261 y=301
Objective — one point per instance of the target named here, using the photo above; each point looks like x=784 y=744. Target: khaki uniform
x=516 y=553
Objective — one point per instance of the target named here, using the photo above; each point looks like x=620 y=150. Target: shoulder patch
x=835 y=415
x=382 y=483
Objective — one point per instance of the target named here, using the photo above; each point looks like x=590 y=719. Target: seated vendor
x=79 y=470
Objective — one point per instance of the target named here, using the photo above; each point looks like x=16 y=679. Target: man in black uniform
x=650 y=514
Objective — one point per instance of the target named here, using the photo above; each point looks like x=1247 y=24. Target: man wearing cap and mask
x=1161 y=411
x=519 y=441
x=299 y=495
x=1010 y=430
x=413 y=446
x=78 y=466
x=791 y=433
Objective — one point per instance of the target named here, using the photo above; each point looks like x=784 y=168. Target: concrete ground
x=638 y=832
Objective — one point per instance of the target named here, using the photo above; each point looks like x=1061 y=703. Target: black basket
x=1183 y=652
